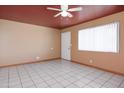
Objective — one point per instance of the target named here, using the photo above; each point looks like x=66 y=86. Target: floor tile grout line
x=54 y=79
x=95 y=79
x=120 y=83
x=50 y=66
x=40 y=76
x=91 y=80
x=59 y=82
x=84 y=76
x=8 y=77
x=19 y=76
x=75 y=81
x=87 y=74
x=106 y=81
x=29 y=75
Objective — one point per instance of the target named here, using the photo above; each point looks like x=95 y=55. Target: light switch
x=51 y=48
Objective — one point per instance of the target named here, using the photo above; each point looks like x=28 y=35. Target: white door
x=66 y=45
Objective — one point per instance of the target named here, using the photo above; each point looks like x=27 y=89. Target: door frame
x=70 y=45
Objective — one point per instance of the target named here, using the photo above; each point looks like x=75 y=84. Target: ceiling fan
x=65 y=11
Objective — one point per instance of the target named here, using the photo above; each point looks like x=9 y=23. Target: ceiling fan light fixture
x=64 y=13
x=65 y=10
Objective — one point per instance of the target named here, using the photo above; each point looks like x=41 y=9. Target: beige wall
x=109 y=61
x=20 y=42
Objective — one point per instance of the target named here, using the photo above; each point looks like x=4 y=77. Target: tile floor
x=58 y=74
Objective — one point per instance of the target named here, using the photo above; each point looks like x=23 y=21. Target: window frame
x=118 y=38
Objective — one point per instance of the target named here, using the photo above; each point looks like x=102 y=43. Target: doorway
x=66 y=45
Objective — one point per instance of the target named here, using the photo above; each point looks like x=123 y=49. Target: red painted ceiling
x=39 y=15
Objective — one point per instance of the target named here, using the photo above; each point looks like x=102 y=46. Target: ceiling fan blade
x=70 y=15
x=75 y=9
x=50 y=8
x=64 y=7
x=57 y=14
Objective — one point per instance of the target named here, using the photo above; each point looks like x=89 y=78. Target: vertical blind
x=104 y=38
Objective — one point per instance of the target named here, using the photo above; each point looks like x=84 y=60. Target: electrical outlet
x=51 y=48
x=37 y=58
x=91 y=61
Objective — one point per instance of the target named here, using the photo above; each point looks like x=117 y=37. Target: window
x=103 y=38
